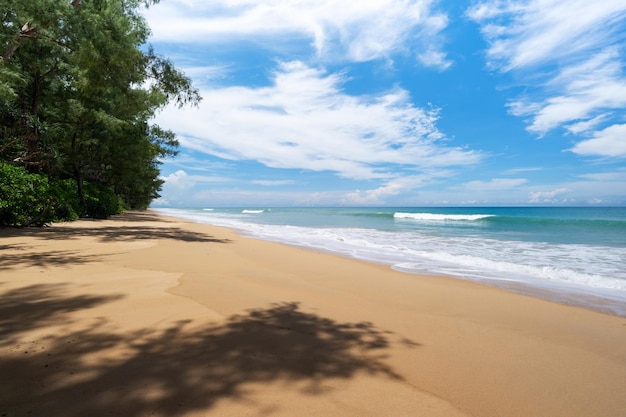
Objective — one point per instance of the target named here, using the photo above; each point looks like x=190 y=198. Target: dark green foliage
x=31 y=200
x=25 y=198
x=78 y=88
x=101 y=202
x=67 y=207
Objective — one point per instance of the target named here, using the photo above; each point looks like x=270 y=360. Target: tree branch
x=28 y=30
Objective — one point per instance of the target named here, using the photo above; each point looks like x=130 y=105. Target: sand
x=143 y=315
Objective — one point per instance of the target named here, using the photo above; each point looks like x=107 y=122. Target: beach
x=148 y=315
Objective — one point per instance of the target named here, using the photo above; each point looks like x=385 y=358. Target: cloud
x=304 y=120
x=586 y=125
x=206 y=74
x=179 y=187
x=273 y=183
x=587 y=89
x=546 y=196
x=436 y=59
x=610 y=142
x=178 y=179
x=607 y=177
x=350 y=30
x=567 y=55
x=519 y=170
x=531 y=32
x=176 y=187
x=372 y=197
x=495 y=184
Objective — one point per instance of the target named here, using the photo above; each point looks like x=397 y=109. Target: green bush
x=25 y=198
x=67 y=205
x=101 y=201
x=32 y=200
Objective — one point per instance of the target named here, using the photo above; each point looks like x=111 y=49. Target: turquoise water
x=568 y=254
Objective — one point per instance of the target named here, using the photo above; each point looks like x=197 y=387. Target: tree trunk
x=78 y=176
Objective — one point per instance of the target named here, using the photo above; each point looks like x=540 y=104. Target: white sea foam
x=252 y=211
x=441 y=217
x=581 y=269
x=208 y=209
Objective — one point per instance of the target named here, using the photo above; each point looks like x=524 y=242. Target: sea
x=571 y=255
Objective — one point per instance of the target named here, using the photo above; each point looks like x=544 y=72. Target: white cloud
x=602 y=186
x=592 y=86
x=519 y=170
x=178 y=187
x=206 y=74
x=273 y=183
x=495 y=184
x=305 y=121
x=609 y=142
x=546 y=196
x=593 y=188
x=606 y=177
x=435 y=59
x=570 y=53
x=372 y=197
x=178 y=179
x=524 y=33
x=353 y=30
x=586 y=125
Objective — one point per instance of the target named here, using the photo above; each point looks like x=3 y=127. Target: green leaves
x=78 y=90
x=24 y=197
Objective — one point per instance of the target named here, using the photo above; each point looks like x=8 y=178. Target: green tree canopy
x=79 y=86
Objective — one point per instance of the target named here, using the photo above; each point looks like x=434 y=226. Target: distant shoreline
x=542 y=266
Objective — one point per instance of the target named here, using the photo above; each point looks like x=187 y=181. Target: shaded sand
x=152 y=316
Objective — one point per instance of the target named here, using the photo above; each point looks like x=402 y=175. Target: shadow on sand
x=172 y=372
x=161 y=230
x=19 y=255
x=38 y=306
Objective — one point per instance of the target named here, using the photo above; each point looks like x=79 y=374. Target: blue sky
x=396 y=102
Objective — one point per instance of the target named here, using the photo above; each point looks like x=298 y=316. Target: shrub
x=25 y=198
x=101 y=201
x=67 y=205
x=32 y=200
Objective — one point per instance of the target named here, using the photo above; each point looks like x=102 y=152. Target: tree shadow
x=128 y=233
x=36 y=306
x=117 y=233
x=141 y=216
x=44 y=259
x=185 y=369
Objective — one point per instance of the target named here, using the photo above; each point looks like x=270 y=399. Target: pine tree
x=79 y=86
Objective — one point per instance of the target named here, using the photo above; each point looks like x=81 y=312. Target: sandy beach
x=144 y=315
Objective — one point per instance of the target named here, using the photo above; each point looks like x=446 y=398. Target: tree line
x=79 y=85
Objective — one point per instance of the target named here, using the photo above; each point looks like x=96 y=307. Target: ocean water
x=567 y=254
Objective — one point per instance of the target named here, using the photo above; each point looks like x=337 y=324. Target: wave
x=481 y=267
x=252 y=211
x=207 y=209
x=593 y=269
x=441 y=217
x=564 y=222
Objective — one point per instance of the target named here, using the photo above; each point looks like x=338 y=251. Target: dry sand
x=143 y=315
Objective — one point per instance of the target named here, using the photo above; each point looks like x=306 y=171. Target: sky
x=395 y=102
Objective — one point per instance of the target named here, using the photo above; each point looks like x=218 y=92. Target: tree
x=79 y=86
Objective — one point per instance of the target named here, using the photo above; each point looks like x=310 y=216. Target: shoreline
x=152 y=315
x=566 y=293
